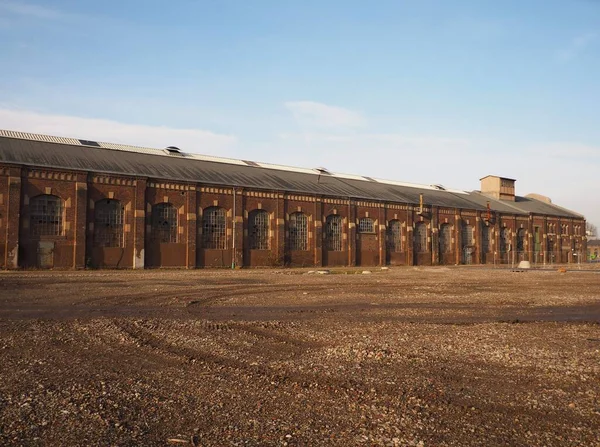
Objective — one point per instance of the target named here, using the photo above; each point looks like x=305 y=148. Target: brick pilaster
x=238 y=233
x=13 y=212
x=80 y=222
x=280 y=240
x=191 y=228
x=351 y=240
x=139 y=224
x=317 y=239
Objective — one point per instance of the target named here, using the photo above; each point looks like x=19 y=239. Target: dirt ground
x=407 y=356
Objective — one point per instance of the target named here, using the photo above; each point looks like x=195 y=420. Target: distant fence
x=537 y=258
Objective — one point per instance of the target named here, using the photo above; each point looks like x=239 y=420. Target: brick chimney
x=500 y=188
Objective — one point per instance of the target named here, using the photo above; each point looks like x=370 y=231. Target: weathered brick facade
x=475 y=236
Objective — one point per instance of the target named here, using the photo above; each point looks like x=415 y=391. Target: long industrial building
x=71 y=204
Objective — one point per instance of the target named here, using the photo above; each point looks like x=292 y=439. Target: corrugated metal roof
x=69 y=153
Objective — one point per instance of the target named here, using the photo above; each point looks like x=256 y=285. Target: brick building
x=69 y=203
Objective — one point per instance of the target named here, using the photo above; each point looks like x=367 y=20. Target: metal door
x=45 y=254
x=467 y=255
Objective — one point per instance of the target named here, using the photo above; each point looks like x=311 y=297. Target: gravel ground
x=399 y=357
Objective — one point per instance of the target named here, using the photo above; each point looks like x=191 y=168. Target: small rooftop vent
x=322 y=170
x=89 y=143
x=173 y=150
x=439 y=187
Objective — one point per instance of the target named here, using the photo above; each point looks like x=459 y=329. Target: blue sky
x=421 y=91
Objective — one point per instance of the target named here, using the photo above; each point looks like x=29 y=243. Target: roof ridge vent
x=89 y=143
x=173 y=150
x=322 y=170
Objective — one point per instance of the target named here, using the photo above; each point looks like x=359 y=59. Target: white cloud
x=413 y=158
x=576 y=47
x=31 y=10
x=569 y=150
x=318 y=115
x=189 y=140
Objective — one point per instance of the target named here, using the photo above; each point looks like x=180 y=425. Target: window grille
x=521 y=239
x=46 y=215
x=164 y=223
x=445 y=240
x=258 y=230
x=394 y=236
x=564 y=229
x=214 y=228
x=420 y=238
x=467 y=235
x=366 y=225
x=486 y=238
x=504 y=240
x=333 y=233
x=108 y=224
x=298 y=232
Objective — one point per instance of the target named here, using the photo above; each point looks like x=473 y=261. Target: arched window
x=333 y=233
x=420 y=238
x=467 y=235
x=394 y=236
x=46 y=215
x=108 y=224
x=504 y=240
x=298 y=232
x=214 y=228
x=445 y=238
x=486 y=239
x=521 y=239
x=164 y=223
x=366 y=225
x=258 y=230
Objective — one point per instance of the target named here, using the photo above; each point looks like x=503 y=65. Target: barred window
x=521 y=239
x=420 y=238
x=298 y=232
x=333 y=233
x=445 y=240
x=258 y=230
x=214 y=228
x=504 y=240
x=366 y=225
x=108 y=223
x=164 y=223
x=486 y=238
x=551 y=228
x=46 y=215
x=564 y=229
x=467 y=235
x=394 y=236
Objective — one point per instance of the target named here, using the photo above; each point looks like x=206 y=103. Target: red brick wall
x=300 y=258
x=61 y=247
x=174 y=254
x=124 y=190
x=80 y=192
